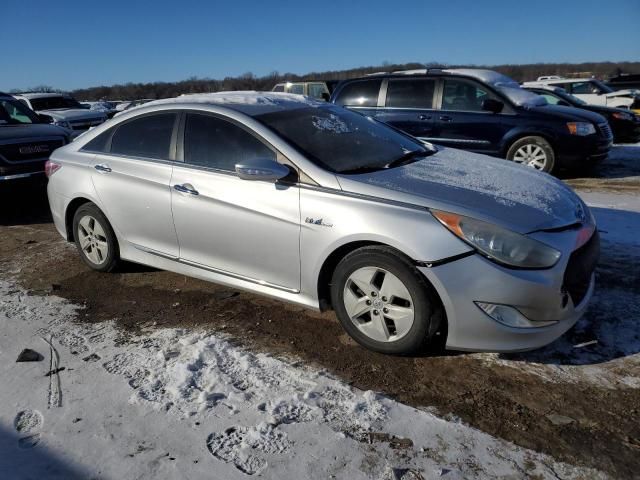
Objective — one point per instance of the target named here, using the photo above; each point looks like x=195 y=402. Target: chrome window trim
x=131 y=157
x=458 y=140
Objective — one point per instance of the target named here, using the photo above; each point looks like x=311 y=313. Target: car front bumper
x=573 y=152
x=537 y=294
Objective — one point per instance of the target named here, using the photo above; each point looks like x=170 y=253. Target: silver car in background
x=311 y=203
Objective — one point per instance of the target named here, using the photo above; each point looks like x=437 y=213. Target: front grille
x=29 y=151
x=605 y=129
x=582 y=263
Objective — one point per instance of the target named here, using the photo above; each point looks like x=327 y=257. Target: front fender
x=331 y=220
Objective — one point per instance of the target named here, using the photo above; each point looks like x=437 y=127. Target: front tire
x=383 y=302
x=95 y=239
x=533 y=152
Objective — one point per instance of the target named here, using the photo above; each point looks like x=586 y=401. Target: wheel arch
x=516 y=135
x=333 y=259
x=70 y=212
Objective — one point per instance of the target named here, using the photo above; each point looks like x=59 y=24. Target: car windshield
x=570 y=98
x=14 y=112
x=54 y=103
x=603 y=88
x=510 y=88
x=343 y=141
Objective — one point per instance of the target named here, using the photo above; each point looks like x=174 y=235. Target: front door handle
x=424 y=117
x=103 y=168
x=186 y=188
x=445 y=118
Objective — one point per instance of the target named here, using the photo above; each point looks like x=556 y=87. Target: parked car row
x=481 y=111
x=64 y=110
x=486 y=112
x=26 y=140
x=328 y=204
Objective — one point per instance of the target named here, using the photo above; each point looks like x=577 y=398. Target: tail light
x=51 y=167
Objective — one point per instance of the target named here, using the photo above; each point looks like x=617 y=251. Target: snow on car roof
x=249 y=102
x=41 y=95
x=488 y=76
x=507 y=85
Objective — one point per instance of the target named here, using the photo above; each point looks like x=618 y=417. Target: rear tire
x=533 y=152
x=95 y=239
x=383 y=302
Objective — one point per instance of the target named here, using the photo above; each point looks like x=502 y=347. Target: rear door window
x=297 y=88
x=410 y=93
x=148 y=136
x=585 y=88
x=212 y=142
x=316 y=90
x=363 y=93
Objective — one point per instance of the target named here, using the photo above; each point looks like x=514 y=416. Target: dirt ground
x=583 y=423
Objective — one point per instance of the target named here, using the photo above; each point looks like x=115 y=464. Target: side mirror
x=45 y=118
x=325 y=96
x=263 y=169
x=491 y=105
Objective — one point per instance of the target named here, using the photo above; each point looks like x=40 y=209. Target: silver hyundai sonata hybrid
x=317 y=205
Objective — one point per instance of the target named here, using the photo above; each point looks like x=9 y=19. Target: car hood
x=623 y=93
x=571 y=114
x=73 y=114
x=30 y=131
x=515 y=197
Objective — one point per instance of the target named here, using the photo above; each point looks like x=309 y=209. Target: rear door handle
x=103 y=168
x=424 y=117
x=445 y=118
x=186 y=188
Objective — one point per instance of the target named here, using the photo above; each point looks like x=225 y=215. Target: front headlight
x=581 y=128
x=499 y=244
x=62 y=123
x=622 y=116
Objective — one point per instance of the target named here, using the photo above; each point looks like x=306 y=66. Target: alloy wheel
x=378 y=304
x=93 y=240
x=531 y=155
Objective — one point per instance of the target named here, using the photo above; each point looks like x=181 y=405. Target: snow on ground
x=175 y=403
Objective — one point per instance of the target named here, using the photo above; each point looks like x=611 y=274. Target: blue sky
x=74 y=44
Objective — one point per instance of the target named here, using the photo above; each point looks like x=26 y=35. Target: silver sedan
x=307 y=202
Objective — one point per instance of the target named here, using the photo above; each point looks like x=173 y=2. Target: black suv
x=624 y=123
x=26 y=140
x=482 y=111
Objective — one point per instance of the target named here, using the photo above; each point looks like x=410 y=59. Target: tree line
x=249 y=81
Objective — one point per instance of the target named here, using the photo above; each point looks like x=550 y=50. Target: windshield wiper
x=408 y=158
x=363 y=169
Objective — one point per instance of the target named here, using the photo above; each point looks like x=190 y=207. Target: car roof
x=549 y=88
x=41 y=95
x=248 y=102
x=561 y=80
x=488 y=76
